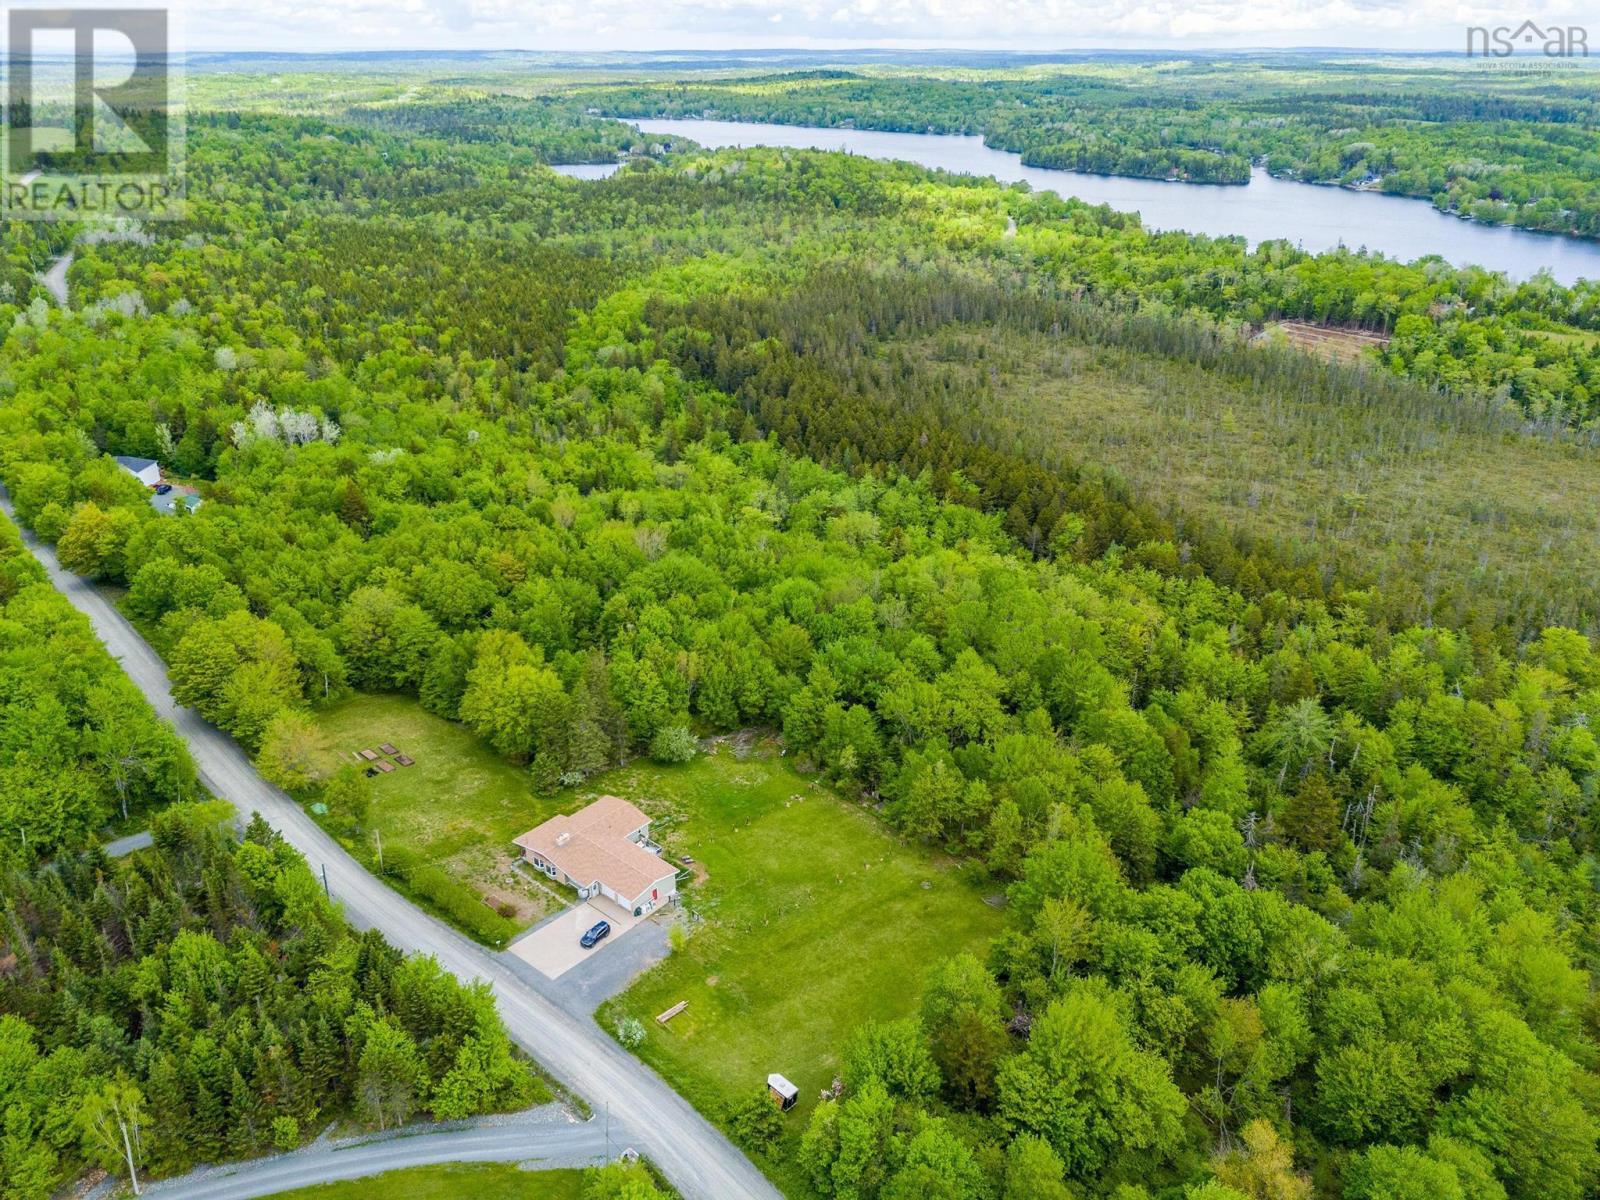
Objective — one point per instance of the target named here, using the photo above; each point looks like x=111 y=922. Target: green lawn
x=815 y=919
x=812 y=918
x=459 y=807
x=481 y=1181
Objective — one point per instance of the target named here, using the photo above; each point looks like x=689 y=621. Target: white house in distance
x=603 y=850
x=146 y=470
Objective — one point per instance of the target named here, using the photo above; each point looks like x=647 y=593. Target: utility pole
x=325 y=890
x=378 y=833
x=608 y=1131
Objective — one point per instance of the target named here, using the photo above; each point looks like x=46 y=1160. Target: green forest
x=1292 y=814
x=207 y=1002
x=80 y=749
x=1512 y=149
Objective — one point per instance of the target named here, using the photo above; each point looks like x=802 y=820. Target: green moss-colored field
x=481 y=1181
x=1433 y=501
x=458 y=790
x=813 y=919
x=459 y=807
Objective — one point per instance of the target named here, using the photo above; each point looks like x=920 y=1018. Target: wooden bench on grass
x=677 y=1008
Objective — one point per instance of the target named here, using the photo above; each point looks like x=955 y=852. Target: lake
x=586 y=170
x=1314 y=217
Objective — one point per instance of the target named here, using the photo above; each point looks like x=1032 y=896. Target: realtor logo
x=93 y=127
x=1502 y=41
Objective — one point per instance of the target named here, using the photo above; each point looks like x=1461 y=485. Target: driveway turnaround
x=544 y=1137
x=694 y=1155
x=552 y=949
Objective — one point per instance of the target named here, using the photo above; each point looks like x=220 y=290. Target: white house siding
x=149 y=475
x=665 y=888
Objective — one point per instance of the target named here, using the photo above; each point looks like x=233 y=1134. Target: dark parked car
x=594 y=933
x=163 y=488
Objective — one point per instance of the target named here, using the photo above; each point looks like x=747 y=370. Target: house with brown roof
x=603 y=850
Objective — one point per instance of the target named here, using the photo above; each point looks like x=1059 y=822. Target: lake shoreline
x=1317 y=217
x=1285 y=176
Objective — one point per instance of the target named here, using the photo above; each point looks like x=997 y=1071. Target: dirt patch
x=1325 y=341
x=496 y=876
x=88 y=1183
x=745 y=743
x=517 y=906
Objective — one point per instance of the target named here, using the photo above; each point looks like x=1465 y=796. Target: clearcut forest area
x=1120 y=707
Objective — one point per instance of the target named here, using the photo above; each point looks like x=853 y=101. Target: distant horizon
x=816 y=49
x=912 y=27
x=883 y=51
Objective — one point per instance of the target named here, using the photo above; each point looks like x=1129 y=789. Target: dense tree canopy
x=208 y=998
x=1506 y=148
x=79 y=747
x=1299 y=865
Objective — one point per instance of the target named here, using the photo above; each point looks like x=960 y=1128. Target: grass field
x=480 y=1181
x=813 y=919
x=459 y=807
x=809 y=916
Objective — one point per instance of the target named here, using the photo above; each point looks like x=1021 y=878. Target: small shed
x=784 y=1093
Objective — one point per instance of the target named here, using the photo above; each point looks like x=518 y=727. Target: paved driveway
x=552 y=949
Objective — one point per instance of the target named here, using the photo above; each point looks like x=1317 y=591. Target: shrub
x=630 y=1032
x=674 y=744
x=457 y=902
x=285 y=1133
x=348 y=800
x=294 y=752
x=621 y=1181
x=755 y=1121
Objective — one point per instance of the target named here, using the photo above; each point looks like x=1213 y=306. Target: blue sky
x=721 y=24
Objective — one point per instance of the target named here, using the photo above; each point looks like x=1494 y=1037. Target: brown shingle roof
x=592 y=845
